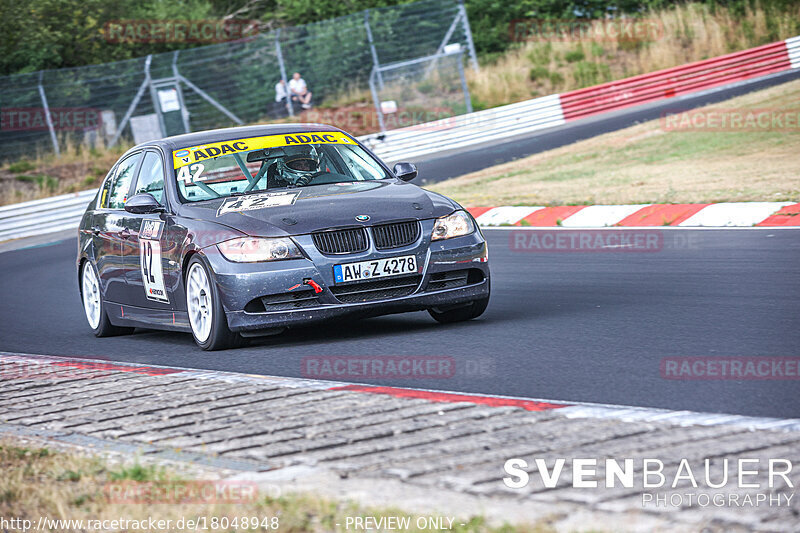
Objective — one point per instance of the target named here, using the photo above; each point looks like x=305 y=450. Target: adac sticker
x=187 y=156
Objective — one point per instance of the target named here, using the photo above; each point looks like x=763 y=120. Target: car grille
x=343 y=241
x=453 y=279
x=380 y=289
x=287 y=301
x=395 y=235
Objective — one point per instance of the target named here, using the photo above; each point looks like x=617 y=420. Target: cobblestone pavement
x=431 y=451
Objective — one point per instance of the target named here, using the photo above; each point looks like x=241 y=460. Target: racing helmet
x=299 y=164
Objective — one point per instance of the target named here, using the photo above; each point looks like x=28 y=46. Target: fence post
x=375 y=62
x=464 y=86
x=184 y=110
x=157 y=108
x=210 y=100
x=375 y=99
x=279 y=53
x=473 y=58
x=445 y=40
x=134 y=103
x=47 y=116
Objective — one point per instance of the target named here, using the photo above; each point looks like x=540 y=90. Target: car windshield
x=230 y=168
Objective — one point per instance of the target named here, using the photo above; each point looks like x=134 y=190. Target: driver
x=299 y=166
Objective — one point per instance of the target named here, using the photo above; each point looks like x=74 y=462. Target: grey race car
x=242 y=232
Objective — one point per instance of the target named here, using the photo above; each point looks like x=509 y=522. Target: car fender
x=86 y=249
x=202 y=235
x=443 y=202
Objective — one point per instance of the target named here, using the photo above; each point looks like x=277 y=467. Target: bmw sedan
x=243 y=232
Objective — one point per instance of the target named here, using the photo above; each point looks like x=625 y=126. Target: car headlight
x=256 y=249
x=455 y=225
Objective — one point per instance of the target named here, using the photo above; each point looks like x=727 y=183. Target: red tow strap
x=313 y=284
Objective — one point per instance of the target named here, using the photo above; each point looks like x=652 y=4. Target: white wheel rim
x=91 y=295
x=198 y=302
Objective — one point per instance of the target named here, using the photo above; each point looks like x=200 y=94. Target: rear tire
x=206 y=315
x=473 y=310
x=94 y=307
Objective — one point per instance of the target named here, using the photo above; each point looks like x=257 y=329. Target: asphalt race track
x=574 y=326
x=450 y=165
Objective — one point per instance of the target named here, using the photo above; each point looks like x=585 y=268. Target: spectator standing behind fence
x=299 y=90
x=281 y=97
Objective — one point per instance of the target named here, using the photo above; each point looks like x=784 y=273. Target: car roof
x=229 y=134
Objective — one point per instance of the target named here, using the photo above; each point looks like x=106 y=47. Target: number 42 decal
x=147 y=261
x=150 y=260
x=191 y=173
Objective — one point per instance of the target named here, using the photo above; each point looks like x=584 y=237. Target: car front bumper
x=263 y=296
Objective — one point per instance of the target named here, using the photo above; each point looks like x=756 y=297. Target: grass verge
x=654 y=163
x=67 y=485
x=78 y=168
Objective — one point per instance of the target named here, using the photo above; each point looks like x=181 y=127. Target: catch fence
x=223 y=84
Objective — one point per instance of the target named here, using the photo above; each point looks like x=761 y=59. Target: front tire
x=95 y=307
x=206 y=315
x=460 y=314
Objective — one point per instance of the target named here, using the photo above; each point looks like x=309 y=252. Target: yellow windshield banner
x=194 y=154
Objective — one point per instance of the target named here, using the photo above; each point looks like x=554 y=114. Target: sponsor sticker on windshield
x=257 y=201
x=188 y=156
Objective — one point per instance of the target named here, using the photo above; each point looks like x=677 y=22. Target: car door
x=147 y=253
x=108 y=230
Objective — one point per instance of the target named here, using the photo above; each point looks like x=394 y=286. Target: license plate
x=378 y=268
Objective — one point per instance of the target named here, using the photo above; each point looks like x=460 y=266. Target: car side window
x=121 y=183
x=103 y=203
x=151 y=177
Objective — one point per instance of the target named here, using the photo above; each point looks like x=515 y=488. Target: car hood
x=322 y=207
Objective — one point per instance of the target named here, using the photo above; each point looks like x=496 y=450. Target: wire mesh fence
x=423 y=90
x=222 y=84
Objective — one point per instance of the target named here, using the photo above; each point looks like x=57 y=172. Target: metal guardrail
x=793 y=49
x=466 y=130
x=64 y=212
x=676 y=81
x=39 y=217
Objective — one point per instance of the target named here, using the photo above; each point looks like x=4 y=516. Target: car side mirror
x=405 y=171
x=143 y=204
